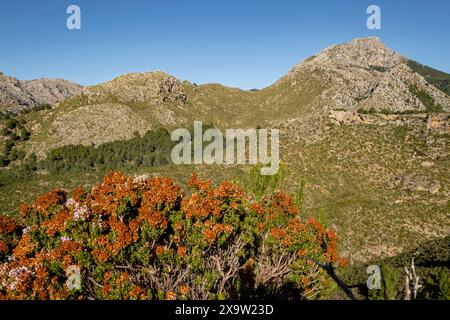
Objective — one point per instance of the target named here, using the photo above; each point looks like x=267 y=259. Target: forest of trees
x=151 y=149
x=13 y=130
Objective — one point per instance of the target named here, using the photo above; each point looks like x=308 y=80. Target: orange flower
x=107 y=276
x=181 y=251
x=228 y=190
x=3 y=247
x=137 y=292
x=305 y=281
x=343 y=262
x=24 y=247
x=106 y=289
x=283 y=204
x=57 y=224
x=154 y=218
x=122 y=279
x=199 y=184
x=149 y=220
x=170 y=295
x=160 y=250
x=184 y=290
x=45 y=202
x=24 y=210
x=257 y=208
x=79 y=194
x=8 y=225
x=301 y=252
x=177 y=226
x=210 y=235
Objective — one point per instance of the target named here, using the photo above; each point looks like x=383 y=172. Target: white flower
x=70 y=202
x=79 y=212
x=64 y=239
x=141 y=178
x=16 y=274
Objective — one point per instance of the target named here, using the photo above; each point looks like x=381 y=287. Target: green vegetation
x=311 y=58
x=436 y=285
x=379 y=68
x=432 y=264
x=151 y=149
x=435 y=77
x=145 y=239
x=391 y=282
x=14 y=111
x=13 y=131
x=259 y=185
x=427 y=100
x=384 y=188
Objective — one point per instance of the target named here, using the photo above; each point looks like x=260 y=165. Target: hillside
x=435 y=77
x=366 y=132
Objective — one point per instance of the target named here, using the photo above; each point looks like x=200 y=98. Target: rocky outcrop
x=148 y=87
x=30 y=93
x=416 y=183
x=365 y=74
x=439 y=123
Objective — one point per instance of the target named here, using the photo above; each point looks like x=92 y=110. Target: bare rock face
x=30 y=93
x=365 y=74
x=438 y=123
x=156 y=87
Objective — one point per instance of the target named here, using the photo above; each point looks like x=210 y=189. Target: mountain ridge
x=367 y=134
x=360 y=75
x=20 y=94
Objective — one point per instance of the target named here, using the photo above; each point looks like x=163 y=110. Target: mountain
x=360 y=75
x=365 y=74
x=435 y=77
x=364 y=128
x=30 y=93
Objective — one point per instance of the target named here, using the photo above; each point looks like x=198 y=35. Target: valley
x=363 y=129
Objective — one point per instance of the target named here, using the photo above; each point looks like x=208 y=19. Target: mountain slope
x=365 y=74
x=368 y=135
x=360 y=75
x=435 y=77
x=30 y=93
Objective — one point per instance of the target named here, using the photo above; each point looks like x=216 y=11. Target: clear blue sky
x=247 y=44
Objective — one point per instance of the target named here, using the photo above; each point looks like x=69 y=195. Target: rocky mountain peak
x=154 y=86
x=365 y=74
x=362 y=53
x=367 y=53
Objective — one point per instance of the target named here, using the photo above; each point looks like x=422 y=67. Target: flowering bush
x=145 y=239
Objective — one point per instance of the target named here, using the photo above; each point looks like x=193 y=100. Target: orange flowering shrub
x=144 y=239
x=9 y=235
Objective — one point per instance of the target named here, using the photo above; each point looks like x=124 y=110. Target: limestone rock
x=365 y=74
x=148 y=87
x=30 y=93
